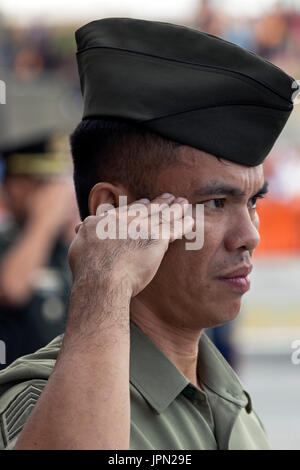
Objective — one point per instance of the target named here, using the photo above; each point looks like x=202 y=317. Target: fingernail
x=166 y=195
x=180 y=199
x=143 y=200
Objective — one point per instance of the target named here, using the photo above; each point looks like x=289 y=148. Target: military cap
x=188 y=86
x=39 y=156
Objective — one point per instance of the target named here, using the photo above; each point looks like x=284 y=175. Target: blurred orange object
x=279 y=227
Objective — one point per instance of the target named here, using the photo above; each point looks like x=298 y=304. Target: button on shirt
x=167 y=411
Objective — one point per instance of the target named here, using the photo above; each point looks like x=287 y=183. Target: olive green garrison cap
x=186 y=85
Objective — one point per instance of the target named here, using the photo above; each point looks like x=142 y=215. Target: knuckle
x=88 y=219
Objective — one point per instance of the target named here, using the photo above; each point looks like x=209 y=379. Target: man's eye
x=253 y=202
x=254 y=199
x=214 y=203
x=219 y=203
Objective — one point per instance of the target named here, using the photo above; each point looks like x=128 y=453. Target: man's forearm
x=86 y=402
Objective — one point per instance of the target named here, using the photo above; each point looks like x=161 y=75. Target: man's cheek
x=213 y=235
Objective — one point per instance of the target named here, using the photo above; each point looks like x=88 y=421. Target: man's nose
x=243 y=232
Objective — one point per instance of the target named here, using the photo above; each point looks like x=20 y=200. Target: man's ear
x=106 y=194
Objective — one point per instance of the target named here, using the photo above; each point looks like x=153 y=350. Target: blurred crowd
x=34 y=51
x=274 y=35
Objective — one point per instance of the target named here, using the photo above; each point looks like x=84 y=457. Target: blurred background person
x=39 y=214
x=271 y=32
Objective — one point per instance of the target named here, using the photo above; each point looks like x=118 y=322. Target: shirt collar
x=160 y=381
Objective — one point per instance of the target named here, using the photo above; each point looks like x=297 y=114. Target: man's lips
x=238 y=279
x=243 y=271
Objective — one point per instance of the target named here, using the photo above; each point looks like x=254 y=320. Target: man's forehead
x=233 y=180
x=204 y=165
x=217 y=187
x=200 y=173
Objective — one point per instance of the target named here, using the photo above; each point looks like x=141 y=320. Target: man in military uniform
x=35 y=278
x=171 y=115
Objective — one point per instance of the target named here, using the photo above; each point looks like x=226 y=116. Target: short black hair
x=118 y=151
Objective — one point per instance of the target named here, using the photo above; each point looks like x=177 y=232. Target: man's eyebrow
x=215 y=188
x=263 y=190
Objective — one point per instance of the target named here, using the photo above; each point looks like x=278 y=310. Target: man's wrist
x=109 y=284
x=98 y=304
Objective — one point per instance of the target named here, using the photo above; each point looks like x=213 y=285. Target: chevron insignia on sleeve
x=15 y=415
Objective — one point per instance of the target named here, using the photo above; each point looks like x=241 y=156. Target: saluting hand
x=132 y=261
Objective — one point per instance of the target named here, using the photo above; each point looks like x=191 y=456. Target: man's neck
x=178 y=343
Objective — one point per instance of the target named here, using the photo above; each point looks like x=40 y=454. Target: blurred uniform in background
x=38 y=216
x=222 y=337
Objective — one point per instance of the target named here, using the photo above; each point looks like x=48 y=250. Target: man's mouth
x=237 y=279
x=239 y=283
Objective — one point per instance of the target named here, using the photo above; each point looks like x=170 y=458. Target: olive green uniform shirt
x=167 y=411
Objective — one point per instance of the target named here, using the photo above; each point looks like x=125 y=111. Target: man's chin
x=223 y=312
